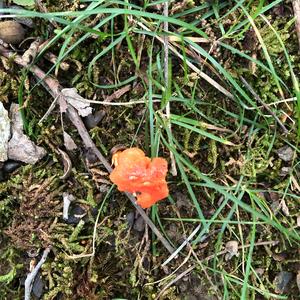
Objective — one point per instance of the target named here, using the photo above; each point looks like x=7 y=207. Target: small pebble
x=94 y=119
x=286 y=153
x=38 y=287
x=260 y=271
x=10 y=166
x=139 y=224
x=281 y=281
x=284 y=171
x=76 y=213
x=130 y=218
x=11 y=32
x=2 y=177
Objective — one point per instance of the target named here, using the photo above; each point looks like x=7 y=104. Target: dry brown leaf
x=69 y=142
x=232 y=248
x=78 y=102
x=284 y=208
x=295 y=184
x=67 y=164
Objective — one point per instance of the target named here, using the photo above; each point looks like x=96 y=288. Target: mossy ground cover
x=238 y=171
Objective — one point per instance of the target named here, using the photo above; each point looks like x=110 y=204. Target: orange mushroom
x=136 y=173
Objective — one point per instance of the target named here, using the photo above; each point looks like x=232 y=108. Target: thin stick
x=48 y=112
x=115 y=103
x=257 y=98
x=54 y=88
x=31 y=276
x=167 y=87
x=76 y=256
x=117 y=94
x=50 y=56
x=175 y=253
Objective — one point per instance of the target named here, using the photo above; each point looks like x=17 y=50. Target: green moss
x=213 y=153
x=257 y=159
x=9 y=87
x=283 y=28
x=60 y=276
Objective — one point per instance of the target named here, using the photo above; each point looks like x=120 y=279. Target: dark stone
x=77 y=210
x=38 y=286
x=94 y=119
x=2 y=177
x=286 y=153
x=130 y=218
x=10 y=166
x=72 y=220
x=90 y=156
x=281 y=281
x=76 y=213
x=94 y=211
x=139 y=224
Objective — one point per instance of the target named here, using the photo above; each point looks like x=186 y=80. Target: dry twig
x=186 y=241
x=117 y=94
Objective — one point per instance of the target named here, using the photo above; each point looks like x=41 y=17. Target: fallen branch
x=31 y=276
x=54 y=88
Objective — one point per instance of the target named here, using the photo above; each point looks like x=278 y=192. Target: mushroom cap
x=137 y=173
